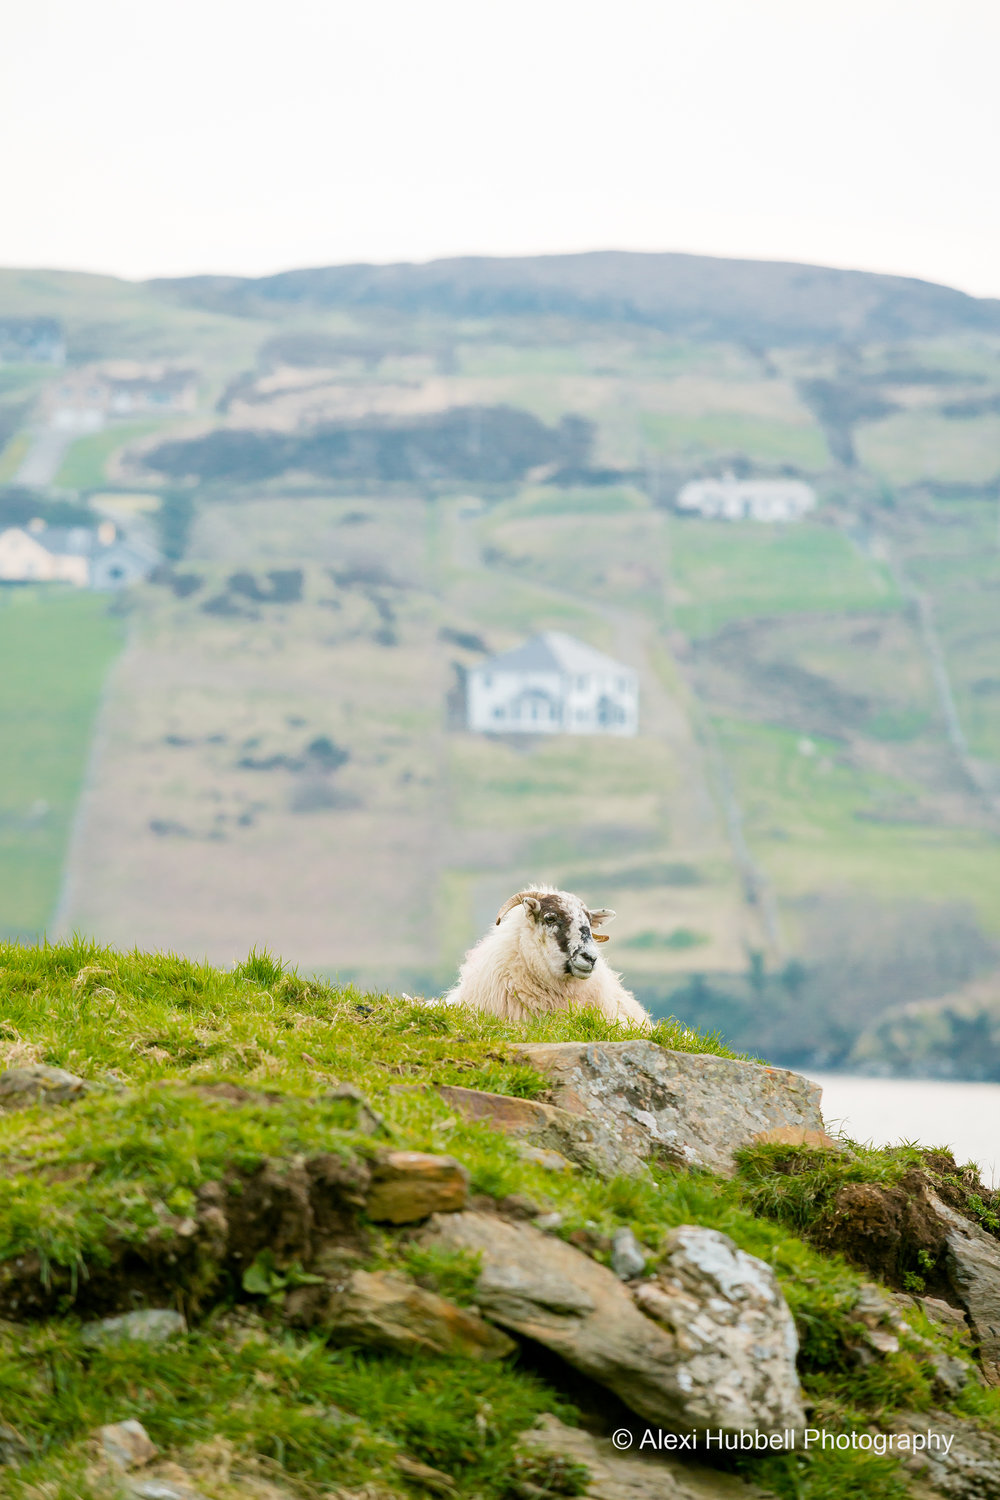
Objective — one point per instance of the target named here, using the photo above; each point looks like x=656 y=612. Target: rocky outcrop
x=147 y=1325
x=973 y=1262
x=709 y=1343
x=376 y=1308
x=616 y=1475
x=411 y=1185
x=691 y=1108
x=38 y=1084
x=580 y=1139
x=954 y=1458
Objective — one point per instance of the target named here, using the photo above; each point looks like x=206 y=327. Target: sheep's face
x=563 y=929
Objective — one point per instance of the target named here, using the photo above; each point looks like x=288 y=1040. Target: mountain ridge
x=699 y=296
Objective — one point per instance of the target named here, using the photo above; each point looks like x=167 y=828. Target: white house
x=732 y=499
x=552 y=684
x=37 y=553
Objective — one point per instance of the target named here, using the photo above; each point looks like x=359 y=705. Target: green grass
x=13 y=454
x=718 y=435
x=84 y=466
x=815 y=823
x=726 y=571
x=56 y=645
x=548 y=500
x=242 y=1390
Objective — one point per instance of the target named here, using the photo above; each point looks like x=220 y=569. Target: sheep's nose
x=583 y=957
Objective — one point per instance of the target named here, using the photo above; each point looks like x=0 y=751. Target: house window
x=581 y=684
x=487 y=679
x=499 y=712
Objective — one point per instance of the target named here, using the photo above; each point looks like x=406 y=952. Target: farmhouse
x=732 y=499
x=84 y=400
x=552 y=684
x=99 y=559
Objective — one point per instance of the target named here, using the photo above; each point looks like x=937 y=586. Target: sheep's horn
x=509 y=905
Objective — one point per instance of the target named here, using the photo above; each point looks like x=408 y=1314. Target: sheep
x=542 y=957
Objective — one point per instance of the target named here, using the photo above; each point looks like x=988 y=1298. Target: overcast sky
x=147 y=138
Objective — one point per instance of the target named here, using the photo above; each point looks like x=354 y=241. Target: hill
x=372 y=493
x=692 y=296
x=229 y=1213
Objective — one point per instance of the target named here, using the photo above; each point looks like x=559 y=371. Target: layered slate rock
x=630 y=1475
x=953 y=1457
x=38 y=1084
x=691 y=1108
x=717 y=1351
x=973 y=1261
x=379 y=1309
x=410 y=1185
x=580 y=1139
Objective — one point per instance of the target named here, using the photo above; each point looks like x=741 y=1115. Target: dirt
x=299 y=1210
x=893 y=1232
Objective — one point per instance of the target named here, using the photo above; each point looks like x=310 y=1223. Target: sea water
x=930 y=1112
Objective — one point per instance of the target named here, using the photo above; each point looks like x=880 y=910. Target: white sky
x=147 y=138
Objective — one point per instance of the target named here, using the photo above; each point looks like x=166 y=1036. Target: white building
x=732 y=499
x=37 y=553
x=552 y=684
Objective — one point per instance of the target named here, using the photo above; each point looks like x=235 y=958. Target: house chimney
x=106 y=533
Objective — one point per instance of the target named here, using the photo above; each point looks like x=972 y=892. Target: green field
x=744 y=571
x=85 y=463
x=733 y=433
x=55 y=650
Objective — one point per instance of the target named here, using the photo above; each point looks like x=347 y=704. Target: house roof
x=554 y=652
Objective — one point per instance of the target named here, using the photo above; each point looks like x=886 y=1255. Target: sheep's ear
x=532 y=903
x=598 y=917
x=601 y=937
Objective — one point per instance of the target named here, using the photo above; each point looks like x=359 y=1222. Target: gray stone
x=969 y=1470
x=717 y=1349
x=126 y=1445
x=376 y=1308
x=973 y=1261
x=582 y=1140
x=691 y=1108
x=162 y=1489
x=627 y=1256
x=150 y=1325
x=542 y=1156
x=633 y=1475
x=38 y=1084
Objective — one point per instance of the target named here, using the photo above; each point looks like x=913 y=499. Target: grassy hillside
x=55 y=650
x=199 y=1076
x=797 y=758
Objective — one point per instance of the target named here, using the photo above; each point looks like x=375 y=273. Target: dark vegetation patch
x=485 y=444
x=19 y=505
x=865 y=957
x=839 y=406
x=174 y=520
x=466 y=639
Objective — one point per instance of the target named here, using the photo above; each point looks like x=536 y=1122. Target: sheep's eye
x=550 y=920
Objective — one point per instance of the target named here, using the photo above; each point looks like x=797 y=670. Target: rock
x=797 y=1135
x=973 y=1261
x=719 y=1352
x=126 y=1445
x=162 y=1489
x=582 y=1140
x=150 y=1325
x=627 y=1257
x=37 y=1084
x=618 y=1475
x=410 y=1185
x=376 y=1308
x=540 y=1156
x=692 y=1108
x=969 y=1470
x=369 y=1121
x=549 y=1222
